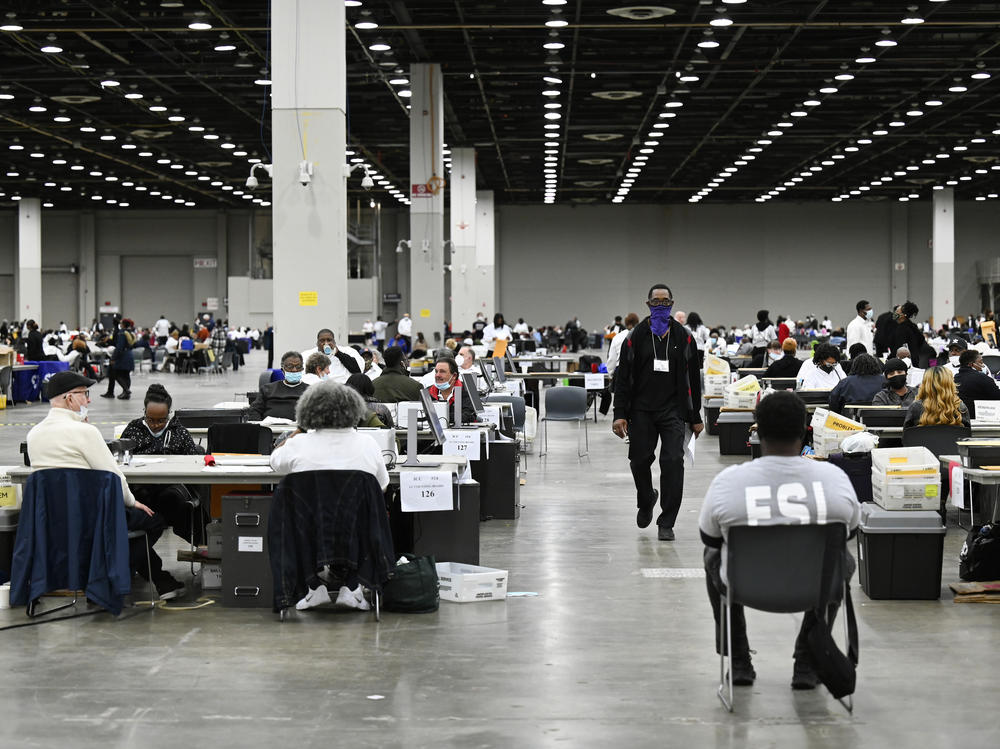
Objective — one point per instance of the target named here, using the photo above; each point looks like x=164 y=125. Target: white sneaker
x=354 y=599
x=315 y=597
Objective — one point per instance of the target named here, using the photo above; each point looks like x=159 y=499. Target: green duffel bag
x=412 y=587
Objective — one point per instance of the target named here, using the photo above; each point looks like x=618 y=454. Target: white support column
x=29 y=259
x=87 y=278
x=943 y=253
x=222 y=268
x=486 y=297
x=464 y=275
x=308 y=123
x=427 y=302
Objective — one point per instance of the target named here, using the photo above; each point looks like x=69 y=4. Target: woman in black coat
x=122 y=362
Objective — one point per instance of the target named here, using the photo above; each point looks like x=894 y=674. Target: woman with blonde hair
x=937 y=401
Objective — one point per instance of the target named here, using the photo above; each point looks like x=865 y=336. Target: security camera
x=367 y=183
x=305 y=173
x=252 y=180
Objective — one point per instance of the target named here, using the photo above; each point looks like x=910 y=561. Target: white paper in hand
x=425 y=491
x=689 y=440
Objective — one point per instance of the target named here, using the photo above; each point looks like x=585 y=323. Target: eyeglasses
x=84 y=393
x=659 y=302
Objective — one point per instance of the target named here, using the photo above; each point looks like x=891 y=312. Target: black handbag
x=837 y=671
x=979 y=559
x=412 y=587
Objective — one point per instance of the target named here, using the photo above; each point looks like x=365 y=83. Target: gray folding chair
x=780 y=568
x=565 y=403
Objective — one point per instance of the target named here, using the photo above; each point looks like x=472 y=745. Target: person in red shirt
x=784 y=330
x=446 y=385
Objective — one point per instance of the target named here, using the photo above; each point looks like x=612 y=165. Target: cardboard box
x=465 y=583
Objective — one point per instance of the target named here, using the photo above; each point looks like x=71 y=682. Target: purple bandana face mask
x=659 y=319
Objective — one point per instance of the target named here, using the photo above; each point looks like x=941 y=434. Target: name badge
x=661 y=365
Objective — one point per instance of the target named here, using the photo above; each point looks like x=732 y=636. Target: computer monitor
x=487 y=375
x=432 y=416
x=498 y=366
x=469 y=383
x=510 y=359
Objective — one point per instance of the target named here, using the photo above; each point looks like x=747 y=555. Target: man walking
x=861 y=329
x=657 y=397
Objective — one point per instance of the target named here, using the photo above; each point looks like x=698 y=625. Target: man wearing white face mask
x=914 y=375
x=64 y=439
x=861 y=329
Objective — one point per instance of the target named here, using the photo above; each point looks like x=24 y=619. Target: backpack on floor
x=979 y=559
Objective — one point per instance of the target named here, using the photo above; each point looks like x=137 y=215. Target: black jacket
x=176 y=440
x=974 y=386
x=907 y=334
x=35 y=350
x=787 y=366
x=335 y=518
x=684 y=367
x=276 y=399
x=855 y=389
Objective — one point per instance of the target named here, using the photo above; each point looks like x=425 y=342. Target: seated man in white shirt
x=344 y=361
x=64 y=439
x=615 y=348
x=779 y=488
x=914 y=375
x=326 y=440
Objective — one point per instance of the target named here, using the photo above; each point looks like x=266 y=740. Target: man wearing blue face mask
x=343 y=361
x=278 y=399
x=657 y=398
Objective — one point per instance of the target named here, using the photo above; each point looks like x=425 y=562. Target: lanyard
x=652 y=339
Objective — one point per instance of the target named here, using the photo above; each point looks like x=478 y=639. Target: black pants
x=270 y=358
x=137 y=520
x=741 y=646
x=171 y=503
x=123 y=377
x=644 y=429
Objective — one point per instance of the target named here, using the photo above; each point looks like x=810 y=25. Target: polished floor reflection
x=615 y=650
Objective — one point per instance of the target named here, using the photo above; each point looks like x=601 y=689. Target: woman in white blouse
x=826 y=372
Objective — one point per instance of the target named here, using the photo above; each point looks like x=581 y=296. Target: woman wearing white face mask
x=156 y=432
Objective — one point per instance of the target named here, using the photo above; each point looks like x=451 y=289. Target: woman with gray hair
x=326 y=440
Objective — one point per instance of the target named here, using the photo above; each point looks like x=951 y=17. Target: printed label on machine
x=250 y=543
x=461 y=442
x=425 y=491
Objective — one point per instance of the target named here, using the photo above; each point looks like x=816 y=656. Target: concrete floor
x=603 y=656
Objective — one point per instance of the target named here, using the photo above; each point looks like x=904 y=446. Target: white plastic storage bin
x=909 y=493
x=903 y=461
x=464 y=583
